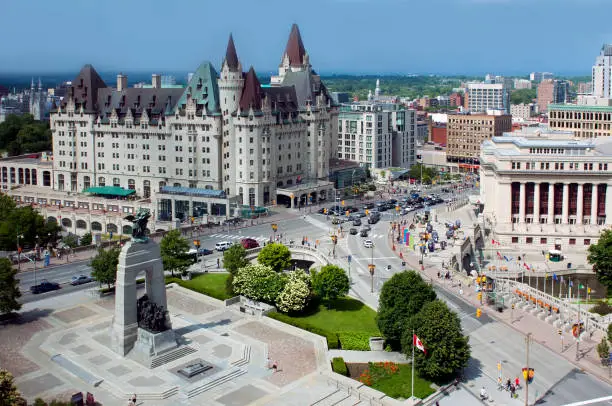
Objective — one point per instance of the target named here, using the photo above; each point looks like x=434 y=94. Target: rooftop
x=576 y=107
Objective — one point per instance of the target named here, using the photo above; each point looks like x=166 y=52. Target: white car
x=368 y=244
x=222 y=246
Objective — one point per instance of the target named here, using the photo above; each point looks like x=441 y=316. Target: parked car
x=363 y=232
x=368 y=244
x=44 y=286
x=353 y=231
x=223 y=245
x=204 y=251
x=249 y=243
x=80 y=279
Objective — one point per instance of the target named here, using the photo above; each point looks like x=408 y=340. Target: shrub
x=602 y=308
x=339 y=366
x=259 y=282
x=355 y=341
x=275 y=255
x=296 y=292
x=603 y=350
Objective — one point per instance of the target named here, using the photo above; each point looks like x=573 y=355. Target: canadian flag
x=417 y=343
x=526 y=266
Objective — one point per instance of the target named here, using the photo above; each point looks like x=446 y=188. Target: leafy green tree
x=25 y=222
x=275 y=255
x=174 y=250
x=610 y=332
x=234 y=258
x=71 y=240
x=9 y=287
x=22 y=134
x=330 y=283
x=600 y=256
x=86 y=239
x=603 y=349
x=296 y=293
x=401 y=298
x=259 y=282
x=447 y=349
x=429 y=174
x=523 y=96
x=104 y=266
x=9 y=395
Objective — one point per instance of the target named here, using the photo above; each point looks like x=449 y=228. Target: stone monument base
x=150 y=345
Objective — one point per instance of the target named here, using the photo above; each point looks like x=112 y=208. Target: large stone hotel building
x=222 y=142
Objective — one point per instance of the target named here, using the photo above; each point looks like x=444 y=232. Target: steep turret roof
x=85 y=87
x=203 y=89
x=251 y=92
x=295 y=47
x=231 y=57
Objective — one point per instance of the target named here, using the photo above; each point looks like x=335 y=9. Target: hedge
x=357 y=341
x=339 y=366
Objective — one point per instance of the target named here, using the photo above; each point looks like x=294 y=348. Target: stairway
x=170 y=356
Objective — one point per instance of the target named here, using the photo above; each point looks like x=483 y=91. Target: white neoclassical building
x=545 y=189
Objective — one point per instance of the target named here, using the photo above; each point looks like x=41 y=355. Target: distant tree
x=275 y=255
x=9 y=287
x=447 y=349
x=330 y=283
x=600 y=256
x=9 y=395
x=234 y=258
x=86 y=239
x=174 y=250
x=603 y=349
x=401 y=298
x=21 y=134
x=259 y=282
x=24 y=222
x=104 y=266
x=71 y=240
x=428 y=173
x=523 y=96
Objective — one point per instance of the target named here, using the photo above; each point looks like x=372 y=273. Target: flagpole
x=413 y=345
x=552 y=289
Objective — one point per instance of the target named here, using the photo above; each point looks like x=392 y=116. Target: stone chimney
x=156 y=81
x=122 y=82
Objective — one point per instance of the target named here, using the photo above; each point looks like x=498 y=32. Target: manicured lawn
x=398 y=384
x=348 y=318
x=210 y=284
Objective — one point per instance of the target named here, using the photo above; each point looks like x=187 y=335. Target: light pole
x=526 y=371
x=35 y=259
x=371 y=268
x=353 y=185
x=19 y=237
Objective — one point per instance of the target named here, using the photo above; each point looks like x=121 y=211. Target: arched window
x=34 y=180
x=101 y=181
x=82 y=224
x=279 y=184
x=111 y=228
x=51 y=219
x=46 y=177
x=20 y=171
x=176 y=184
x=27 y=177
x=66 y=222
x=252 y=196
x=86 y=182
x=116 y=182
x=127 y=230
x=95 y=226
x=131 y=184
x=146 y=188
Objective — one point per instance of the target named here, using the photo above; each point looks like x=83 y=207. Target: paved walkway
x=368 y=356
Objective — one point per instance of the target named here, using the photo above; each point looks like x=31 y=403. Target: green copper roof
x=109 y=191
x=575 y=107
x=203 y=88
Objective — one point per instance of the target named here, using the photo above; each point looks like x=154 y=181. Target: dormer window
x=199 y=84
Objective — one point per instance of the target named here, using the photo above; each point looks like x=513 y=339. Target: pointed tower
x=377 y=90
x=230 y=84
x=295 y=57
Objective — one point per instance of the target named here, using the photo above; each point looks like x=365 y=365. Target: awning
x=110 y=191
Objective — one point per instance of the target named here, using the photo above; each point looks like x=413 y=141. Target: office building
x=540 y=76
x=487 y=96
x=466 y=132
x=522 y=111
x=544 y=189
x=377 y=135
x=585 y=121
x=602 y=73
x=552 y=91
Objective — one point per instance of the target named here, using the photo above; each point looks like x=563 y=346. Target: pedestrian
x=512 y=391
x=438 y=274
x=275 y=366
x=134 y=399
x=218 y=263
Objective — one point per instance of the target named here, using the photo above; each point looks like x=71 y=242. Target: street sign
x=349 y=258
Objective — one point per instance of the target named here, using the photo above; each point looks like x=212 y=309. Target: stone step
x=332 y=399
x=111 y=388
x=245 y=357
x=349 y=401
x=213 y=381
x=172 y=355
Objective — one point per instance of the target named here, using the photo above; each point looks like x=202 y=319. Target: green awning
x=110 y=191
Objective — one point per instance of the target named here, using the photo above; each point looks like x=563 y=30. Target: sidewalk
x=522 y=321
x=80 y=256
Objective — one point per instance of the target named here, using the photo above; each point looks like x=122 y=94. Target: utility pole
x=527 y=343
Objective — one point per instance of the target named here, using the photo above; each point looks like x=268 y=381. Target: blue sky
x=341 y=36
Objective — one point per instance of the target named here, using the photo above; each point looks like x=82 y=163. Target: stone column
x=579 y=206
x=551 y=203
x=536 y=202
x=608 y=204
x=594 y=204
x=522 y=203
x=565 y=208
x=173 y=212
x=209 y=208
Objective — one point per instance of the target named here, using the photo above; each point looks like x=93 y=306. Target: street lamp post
x=371 y=268
x=19 y=237
x=353 y=185
x=35 y=259
x=527 y=343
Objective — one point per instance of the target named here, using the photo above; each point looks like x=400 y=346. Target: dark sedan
x=44 y=286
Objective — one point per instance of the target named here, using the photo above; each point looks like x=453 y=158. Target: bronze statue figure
x=139 y=224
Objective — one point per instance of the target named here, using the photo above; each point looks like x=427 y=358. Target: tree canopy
x=259 y=282
x=523 y=96
x=275 y=255
x=401 y=298
x=330 y=283
x=296 y=293
x=9 y=287
x=429 y=174
x=9 y=395
x=600 y=256
x=25 y=222
x=174 y=250
x=234 y=258
x=104 y=266
x=439 y=329
x=22 y=134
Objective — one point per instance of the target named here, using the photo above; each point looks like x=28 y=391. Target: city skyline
x=342 y=36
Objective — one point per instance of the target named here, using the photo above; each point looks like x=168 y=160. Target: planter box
x=377 y=344
x=186 y=277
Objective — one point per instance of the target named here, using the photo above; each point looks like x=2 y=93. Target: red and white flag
x=417 y=343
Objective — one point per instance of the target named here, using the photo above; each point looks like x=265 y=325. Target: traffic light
x=478 y=312
x=324 y=211
x=367 y=212
x=343 y=203
x=348 y=213
x=479 y=296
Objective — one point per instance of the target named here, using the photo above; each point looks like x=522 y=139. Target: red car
x=249 y=243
